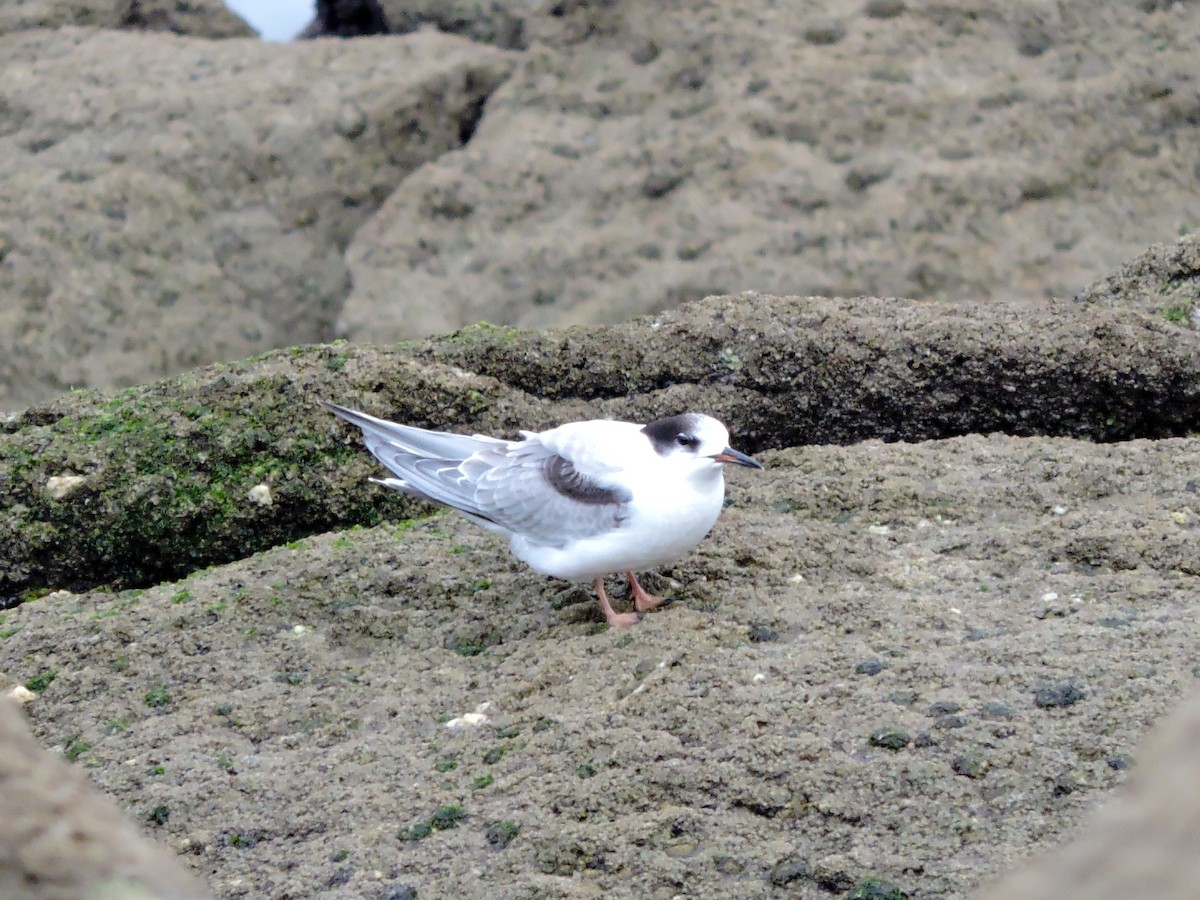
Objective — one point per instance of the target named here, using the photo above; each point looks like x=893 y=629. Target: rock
x=889 y=739
x=1164 y=278
x=189 y=209
x=876 y=889
x=1142 y=842
x=284 y=716
x=637 y=161
x=501 y=23
x=189 y=451
x=59 y=837
x=762 y=634
x=1058 y=696
x=285 y=712
x=678 y=166
x=995 y=710
x=969 y=765
x=60 y=486
x=197 y=18
x=943 y=708
x=825 y=31
x=347 y=18
x=884 y=9
x=790 y=870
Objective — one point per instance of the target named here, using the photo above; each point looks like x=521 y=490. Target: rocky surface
x=198 y=18
x=62 y=840
x=921 y=647
x=195 y=206
x=1143 y=843
x=169 y=202
x=899 y=666
x=646 y=154
x=918 y=663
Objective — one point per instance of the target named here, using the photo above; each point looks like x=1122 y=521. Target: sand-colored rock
x=1164 y=281
x=1142 y=843
x=925 y=644
x=194 y=207
x=501 y=23
x=647 y=154
x=846 y=687
x=60 y=839
x=167 y=470
x=168 y=203
x=901 y=665
x=198 y=18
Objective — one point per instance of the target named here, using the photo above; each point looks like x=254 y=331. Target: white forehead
x=711 y=432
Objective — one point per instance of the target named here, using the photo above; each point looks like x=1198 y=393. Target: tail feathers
x=397 y=484
x=425 y=463
x=418 y=441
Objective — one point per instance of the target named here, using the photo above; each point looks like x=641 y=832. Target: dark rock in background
x=347 y=18
x=642 y=155
x=646 y=154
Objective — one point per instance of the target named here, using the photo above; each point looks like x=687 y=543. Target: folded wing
x=518 y=487
x=532 y=491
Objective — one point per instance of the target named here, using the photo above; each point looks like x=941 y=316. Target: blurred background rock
x=174 y=192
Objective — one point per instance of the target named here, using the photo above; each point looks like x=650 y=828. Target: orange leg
x=614 y=618
x=641 y=600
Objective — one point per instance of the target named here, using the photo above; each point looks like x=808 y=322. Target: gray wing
x=530 y=490
x=522 y=487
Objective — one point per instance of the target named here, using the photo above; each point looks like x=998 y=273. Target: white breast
x=668 y=516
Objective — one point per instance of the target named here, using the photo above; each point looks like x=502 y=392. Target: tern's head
x=697 y=437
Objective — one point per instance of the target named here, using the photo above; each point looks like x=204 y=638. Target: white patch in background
x=275 y=20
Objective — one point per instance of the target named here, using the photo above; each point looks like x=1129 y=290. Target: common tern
x=577 y=502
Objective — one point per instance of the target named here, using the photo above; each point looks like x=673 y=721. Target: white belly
x=652 y=536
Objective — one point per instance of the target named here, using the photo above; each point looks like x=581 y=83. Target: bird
x=577 y=502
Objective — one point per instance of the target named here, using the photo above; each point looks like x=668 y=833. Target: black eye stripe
x=664 y=434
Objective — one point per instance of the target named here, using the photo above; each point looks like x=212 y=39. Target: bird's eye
x=687 y=440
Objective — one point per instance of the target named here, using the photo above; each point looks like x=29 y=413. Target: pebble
x=260 y=495
x=889 y=739
x=969 y=766
x=22 y=694
x=1058 y=696
x=788 y=871
x=59 y=486
x=761 y=634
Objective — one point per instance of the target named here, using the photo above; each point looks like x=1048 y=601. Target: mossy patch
x=501 y=834
x=39 y=682
x=74 y=747
x=156 y=697
x=443 y=818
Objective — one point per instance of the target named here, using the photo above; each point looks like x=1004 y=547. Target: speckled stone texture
x=903 y=665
